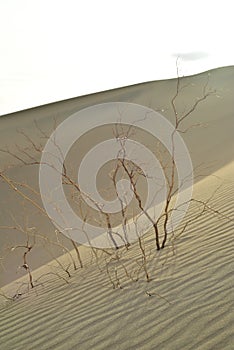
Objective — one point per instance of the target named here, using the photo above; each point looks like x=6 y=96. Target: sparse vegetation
x=119 y=264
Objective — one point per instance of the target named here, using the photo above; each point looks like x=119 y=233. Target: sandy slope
x=191 y=306
x=189 y=302
x=211 y=145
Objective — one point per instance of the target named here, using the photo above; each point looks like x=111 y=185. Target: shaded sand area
x=188 y=304
x=209 y=140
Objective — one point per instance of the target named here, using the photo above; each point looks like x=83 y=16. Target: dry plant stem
x=124 y=219
x=77 y=253
x=138 y=198
x=97 y=205
x=144 y=259
x=110 y=231
x=55 y=274
x=178 y=121
x=143 y=253
x=65 y=269
x=35 y=235
x=109 y=275
x=118 y=285
x=2 y=294
x=47 y=240
x=69 y=181
x=160 y=296
x=25 y=265
x=33 y=202
x=130 y=174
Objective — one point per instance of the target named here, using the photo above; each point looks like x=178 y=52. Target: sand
x=189 y=302
x=210 y=146
x=190 y=307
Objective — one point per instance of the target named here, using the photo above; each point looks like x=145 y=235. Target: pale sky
x=53 y=49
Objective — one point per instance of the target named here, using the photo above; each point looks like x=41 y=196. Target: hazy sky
x=54 y=49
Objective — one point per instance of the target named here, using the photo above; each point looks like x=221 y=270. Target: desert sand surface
x=188 y=304
x=210 y=144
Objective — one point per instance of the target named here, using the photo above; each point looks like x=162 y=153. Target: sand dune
x=190 y=307
x=210 y=146
x=188 y=304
